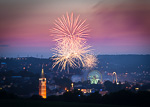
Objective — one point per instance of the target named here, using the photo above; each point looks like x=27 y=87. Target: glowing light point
x=72 y=85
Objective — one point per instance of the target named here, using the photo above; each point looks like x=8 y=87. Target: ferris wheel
x=94 y=77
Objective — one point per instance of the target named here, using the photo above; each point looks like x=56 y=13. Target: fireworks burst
x=69 y=27
x=90 y=61
x=70 y=35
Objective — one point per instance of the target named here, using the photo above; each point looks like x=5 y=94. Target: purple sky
x=118 y=27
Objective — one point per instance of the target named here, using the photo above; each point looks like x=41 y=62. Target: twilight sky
x=117 y=26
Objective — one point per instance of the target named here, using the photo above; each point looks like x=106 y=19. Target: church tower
x=42 y=85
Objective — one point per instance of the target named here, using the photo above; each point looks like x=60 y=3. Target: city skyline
x=119 y=27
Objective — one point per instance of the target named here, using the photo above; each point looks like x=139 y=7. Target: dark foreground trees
x=122 y=97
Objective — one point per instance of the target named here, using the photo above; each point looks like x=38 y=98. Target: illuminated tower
x=42 y=85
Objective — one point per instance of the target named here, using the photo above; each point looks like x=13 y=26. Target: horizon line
x=51 y=56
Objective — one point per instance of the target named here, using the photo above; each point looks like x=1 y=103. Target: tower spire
x=42 y=84
x=42 y=74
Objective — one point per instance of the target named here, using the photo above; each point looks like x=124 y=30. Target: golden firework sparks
x=71 y=49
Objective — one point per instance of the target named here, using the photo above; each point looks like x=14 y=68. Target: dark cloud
x=126 y=14
x=4 y=45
